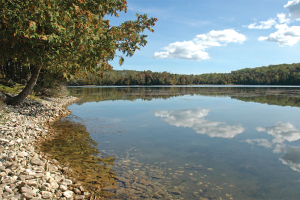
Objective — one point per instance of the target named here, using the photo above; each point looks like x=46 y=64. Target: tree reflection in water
x=287 y=96
x=74 y=147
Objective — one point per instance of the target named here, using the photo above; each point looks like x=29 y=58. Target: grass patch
x=12 y=90
x=17 y=88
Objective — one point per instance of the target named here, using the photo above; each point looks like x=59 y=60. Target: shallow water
x=192 y=142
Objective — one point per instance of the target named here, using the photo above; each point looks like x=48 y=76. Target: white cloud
x=294 y=8
x=285 y=35
x=194 y=118
x=282 y=132
x=283 y=19
x=195 y=49
x=263 y=24
x=183 y=50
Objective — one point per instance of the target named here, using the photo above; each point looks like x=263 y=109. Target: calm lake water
x=187 y=142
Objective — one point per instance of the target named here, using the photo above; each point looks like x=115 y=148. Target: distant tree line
x=284 y=74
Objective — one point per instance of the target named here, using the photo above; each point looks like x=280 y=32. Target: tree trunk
x=26 y=91
x=2 y=70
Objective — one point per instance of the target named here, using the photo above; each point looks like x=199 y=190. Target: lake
x=183 y=142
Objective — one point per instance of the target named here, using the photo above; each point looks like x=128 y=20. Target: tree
x=68 y=37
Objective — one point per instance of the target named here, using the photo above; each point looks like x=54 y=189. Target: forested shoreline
x=283 y=74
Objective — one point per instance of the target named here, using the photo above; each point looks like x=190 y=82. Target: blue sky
x=207 y=36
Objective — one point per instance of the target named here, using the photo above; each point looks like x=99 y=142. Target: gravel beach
x=25 y=173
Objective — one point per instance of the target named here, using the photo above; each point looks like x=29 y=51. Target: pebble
x=46 y=195
x=157 y=196
x=63 y=188
x=22 y=154
x=68 y=194
x=9 y=190
x=79 y=197
x=32 y=183
x=77 y=191
x=176 y=192
x=37 y=162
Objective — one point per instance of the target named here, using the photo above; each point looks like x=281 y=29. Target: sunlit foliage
x=72 y=38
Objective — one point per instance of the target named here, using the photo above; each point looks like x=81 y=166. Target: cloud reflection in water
x=292 y=158
x=282 y=133
x=260 y=142
x=194 y=118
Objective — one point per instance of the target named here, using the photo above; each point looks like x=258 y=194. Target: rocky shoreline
x=24 y=172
